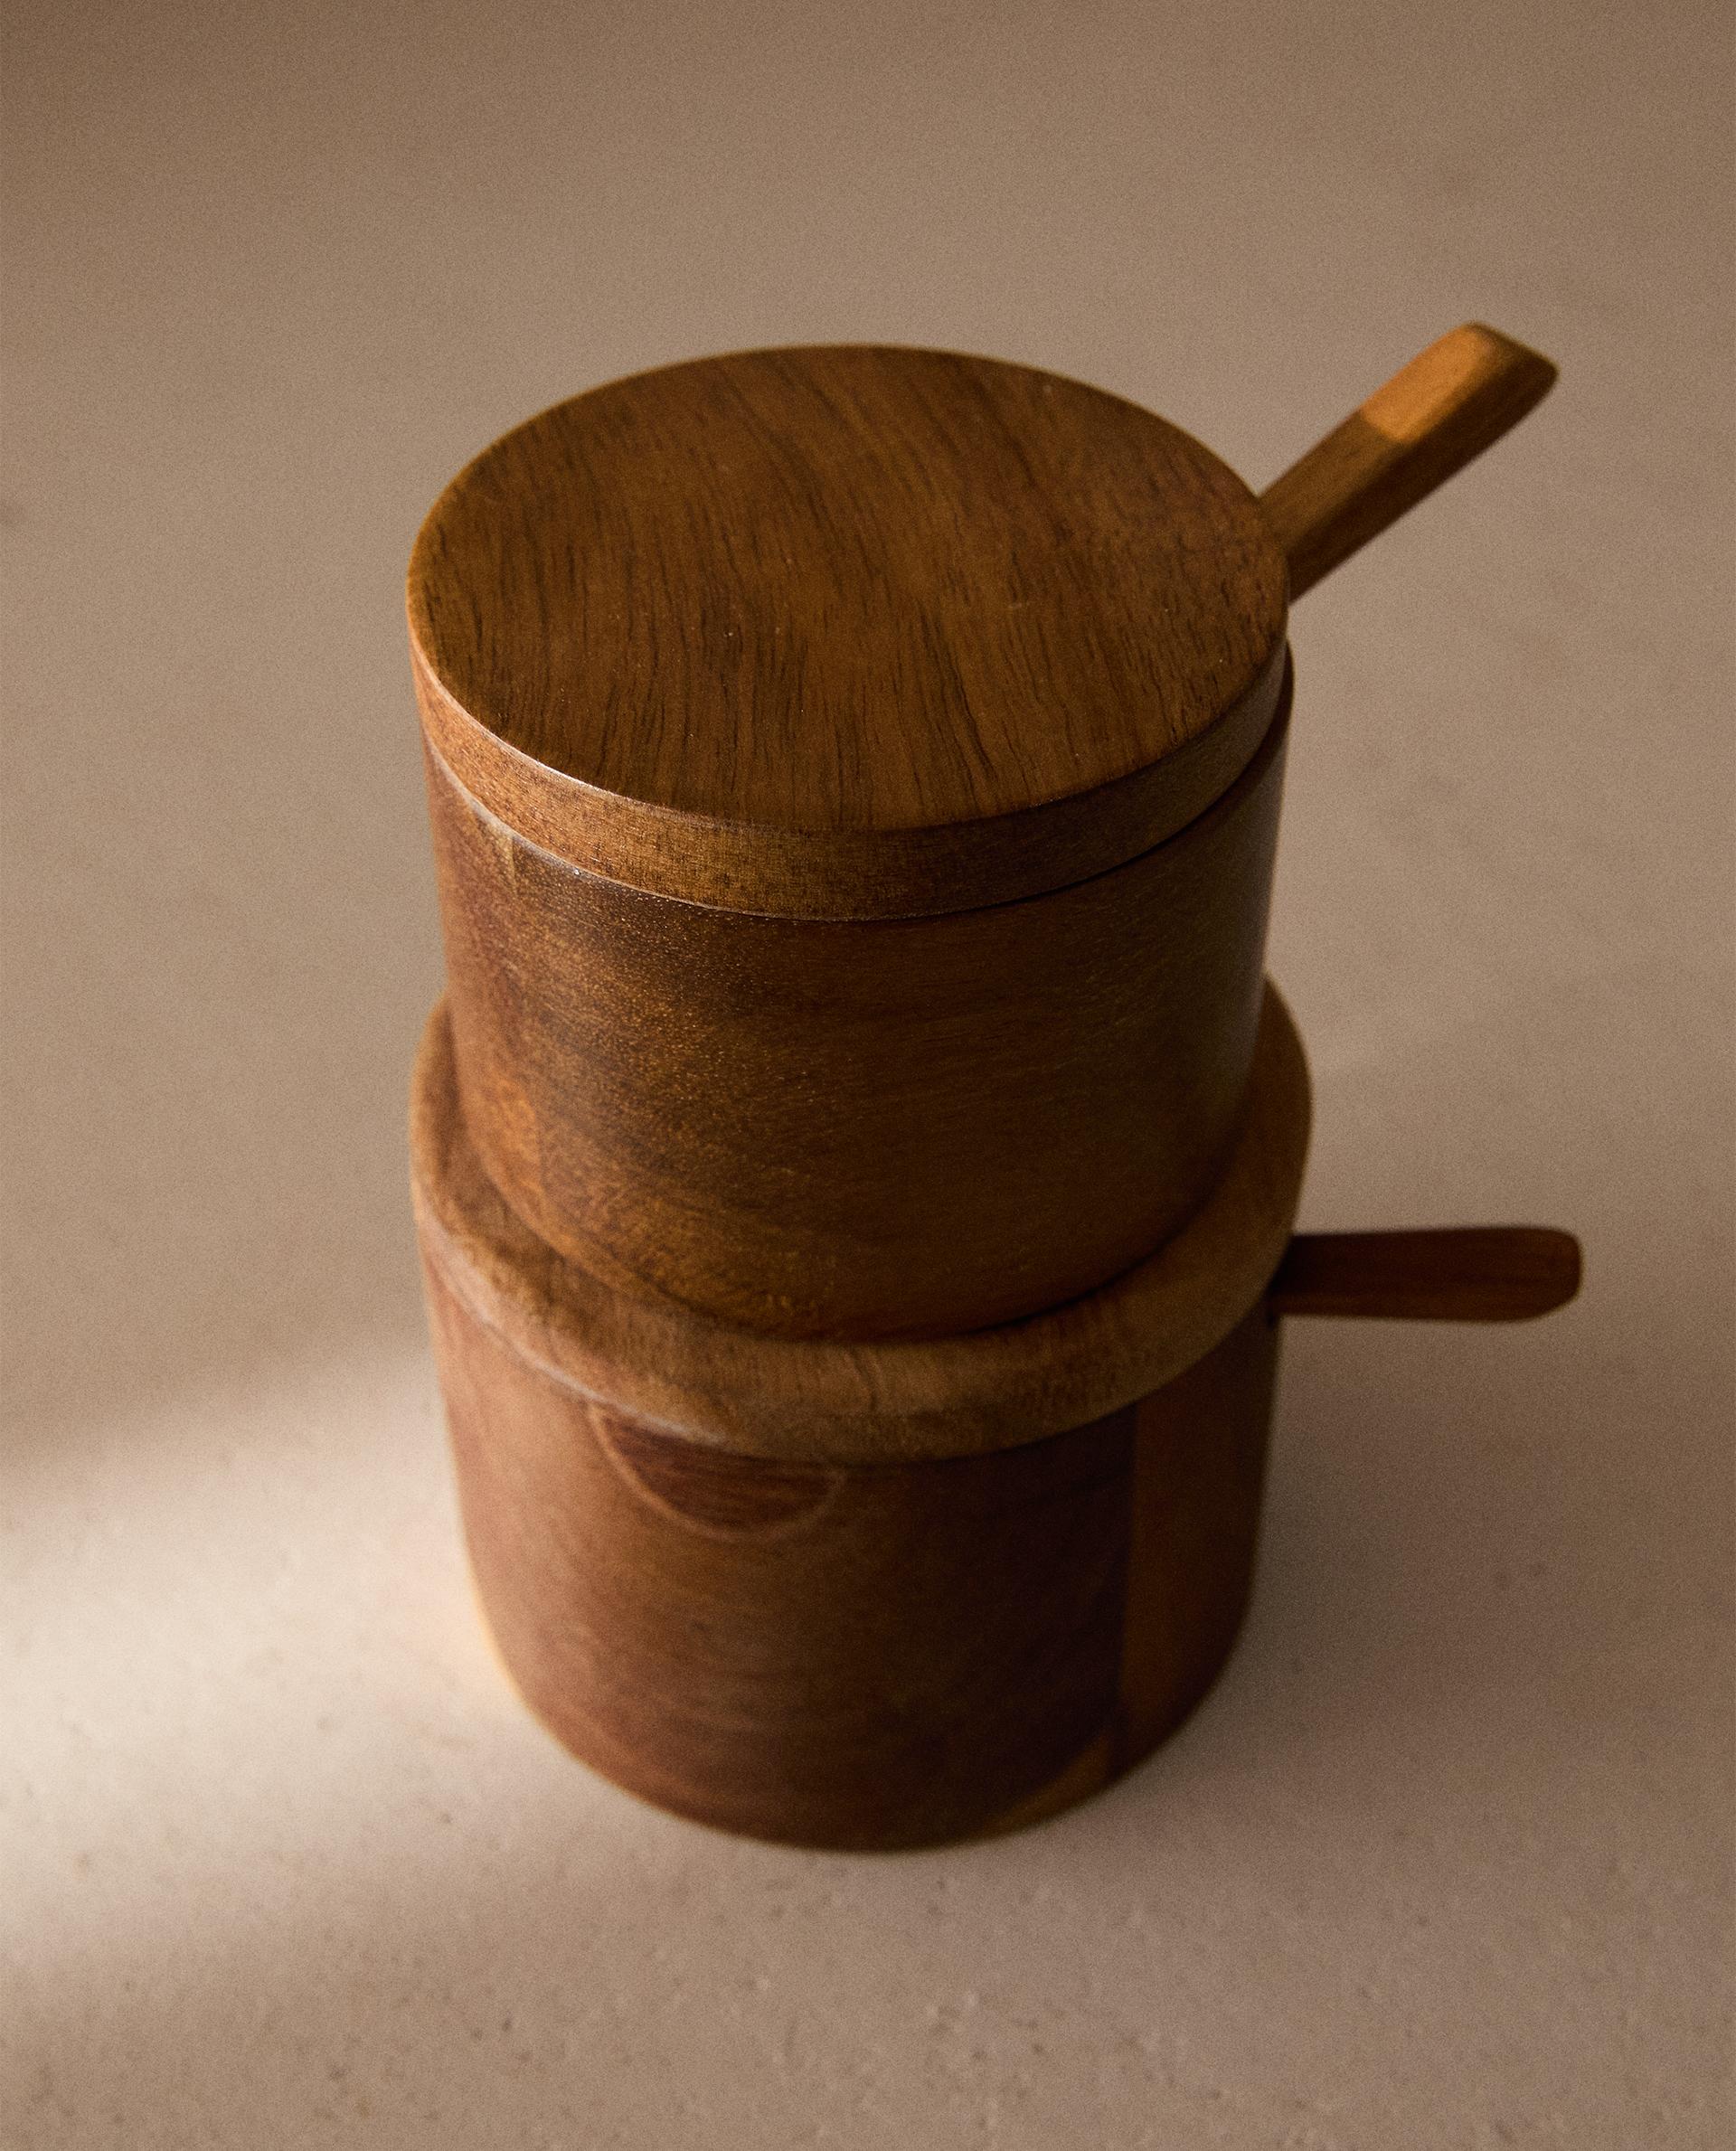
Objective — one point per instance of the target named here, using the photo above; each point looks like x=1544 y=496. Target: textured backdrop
x=1446 y=1860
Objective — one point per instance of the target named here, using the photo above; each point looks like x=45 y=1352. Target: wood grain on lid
x=850 y=631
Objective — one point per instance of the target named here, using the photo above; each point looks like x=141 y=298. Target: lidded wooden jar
x=855 y=1161
x=855 y=775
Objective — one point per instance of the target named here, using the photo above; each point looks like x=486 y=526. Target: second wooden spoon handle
x=1479 y=1273
x=1452 y=401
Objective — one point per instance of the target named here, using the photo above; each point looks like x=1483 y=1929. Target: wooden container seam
x=842 y=1402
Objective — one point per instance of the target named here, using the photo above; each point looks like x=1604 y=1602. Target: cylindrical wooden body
x=861 y=1656
x=865 y=1127
x=855 y=774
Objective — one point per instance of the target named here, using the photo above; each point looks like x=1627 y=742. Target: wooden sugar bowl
x=855 y=1159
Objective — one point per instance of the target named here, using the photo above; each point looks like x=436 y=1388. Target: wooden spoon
x=1478 y=1273
x=1433 y=417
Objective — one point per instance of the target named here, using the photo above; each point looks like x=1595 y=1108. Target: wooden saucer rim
x=851 y=873
x=859 y=1402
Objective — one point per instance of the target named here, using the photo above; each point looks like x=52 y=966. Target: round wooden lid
x=852 y=631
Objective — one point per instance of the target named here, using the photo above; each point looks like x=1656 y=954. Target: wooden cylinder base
x=859 y=1656
x=947 y=1612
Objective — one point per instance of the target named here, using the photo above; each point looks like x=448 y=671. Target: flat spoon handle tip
x=1480 y=1273
x=1433 y=417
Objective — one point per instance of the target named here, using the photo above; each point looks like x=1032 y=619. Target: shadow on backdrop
x=492 y=1942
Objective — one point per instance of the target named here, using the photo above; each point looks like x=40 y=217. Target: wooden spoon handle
x=1452 y=401
x=1484 y=1273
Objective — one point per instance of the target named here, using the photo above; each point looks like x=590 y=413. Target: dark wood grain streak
x=1198 y=1483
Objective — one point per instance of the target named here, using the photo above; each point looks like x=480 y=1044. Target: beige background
x=1447 y=1859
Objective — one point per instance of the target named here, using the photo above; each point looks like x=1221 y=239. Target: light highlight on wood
x=1433 y=417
